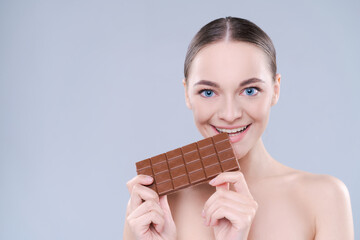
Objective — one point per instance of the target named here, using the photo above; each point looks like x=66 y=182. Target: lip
x=237 y=138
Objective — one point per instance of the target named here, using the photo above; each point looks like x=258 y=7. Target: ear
x=276 y=93
x=187 y=99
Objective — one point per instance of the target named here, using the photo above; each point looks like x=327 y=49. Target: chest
x=281 y=214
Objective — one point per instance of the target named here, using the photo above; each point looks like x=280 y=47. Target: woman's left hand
x=229 y=212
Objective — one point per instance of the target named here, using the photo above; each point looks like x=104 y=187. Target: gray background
x=87 y=88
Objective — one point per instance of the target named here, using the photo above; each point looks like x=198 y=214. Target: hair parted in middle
x=230 y=29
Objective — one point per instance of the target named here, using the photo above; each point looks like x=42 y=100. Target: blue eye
x=207 y=93
x=251 y=91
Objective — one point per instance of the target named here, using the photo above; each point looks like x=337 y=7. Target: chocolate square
x=192 y=164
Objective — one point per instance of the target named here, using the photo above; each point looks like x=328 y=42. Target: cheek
x=256 y=108
x=202 y=112
x=259 y=111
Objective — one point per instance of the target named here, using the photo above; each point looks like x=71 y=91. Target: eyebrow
x=243 y=83
x=250 y=81
x=207 y=82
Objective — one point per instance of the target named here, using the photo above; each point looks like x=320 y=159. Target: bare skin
x=266 y=200
x=288 y=202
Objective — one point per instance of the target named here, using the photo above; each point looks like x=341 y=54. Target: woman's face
x=230 y=89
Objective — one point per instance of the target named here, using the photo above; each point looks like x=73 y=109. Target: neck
x=257 y=163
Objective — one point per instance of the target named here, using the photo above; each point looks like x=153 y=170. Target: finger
x=223 y=186
x=220 y=213
x=221 y=201
x=221 y=195
x=228 y=204
x=238 y=220
x=236 y=178
x=142 y=223
x=146 y=207
x=164 y=204
x=140 y=193
x=139 y=179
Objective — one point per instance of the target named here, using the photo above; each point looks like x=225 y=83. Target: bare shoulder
x=317 y=187
x=321 y=186
x=328 y=198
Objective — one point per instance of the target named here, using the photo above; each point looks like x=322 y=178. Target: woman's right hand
x=148 y=216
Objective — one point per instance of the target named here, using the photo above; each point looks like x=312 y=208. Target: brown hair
x=232 y=29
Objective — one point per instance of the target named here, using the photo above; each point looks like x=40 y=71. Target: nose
x=230 y=110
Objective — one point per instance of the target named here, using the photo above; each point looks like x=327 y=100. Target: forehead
x=230 y=60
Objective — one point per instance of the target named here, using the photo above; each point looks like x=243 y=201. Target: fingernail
x=148 y=179
x=212 y=182
x=203 y=213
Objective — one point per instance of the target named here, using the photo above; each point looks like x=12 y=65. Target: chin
x=239 y=153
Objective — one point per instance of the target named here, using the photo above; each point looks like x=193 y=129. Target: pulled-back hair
x=230 y=29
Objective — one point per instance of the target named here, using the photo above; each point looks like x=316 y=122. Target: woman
x=231 y=84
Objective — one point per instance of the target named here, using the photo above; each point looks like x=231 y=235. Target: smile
x=233 y=131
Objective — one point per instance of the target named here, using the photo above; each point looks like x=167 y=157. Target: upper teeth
x=230 y=130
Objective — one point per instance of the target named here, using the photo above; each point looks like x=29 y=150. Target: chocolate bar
x=192 y=164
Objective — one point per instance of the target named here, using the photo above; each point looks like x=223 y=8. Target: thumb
x=164 y=204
